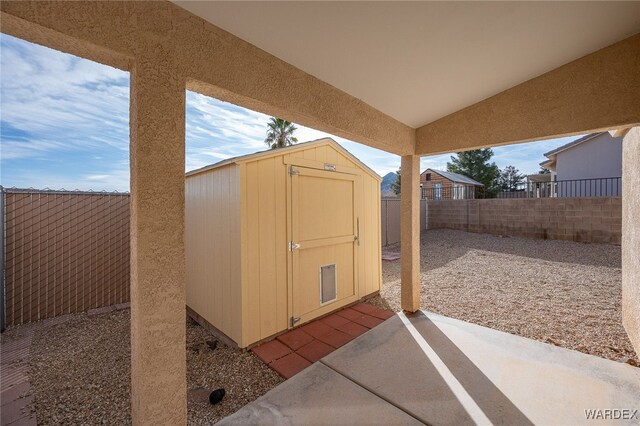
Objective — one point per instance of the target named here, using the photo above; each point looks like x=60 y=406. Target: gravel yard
x=80 y=372
x=564 y=293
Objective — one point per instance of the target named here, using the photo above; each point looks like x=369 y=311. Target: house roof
x=286 y=150
x=539 y=177
x=456 y=177
x=551 y=155
x=573 y=143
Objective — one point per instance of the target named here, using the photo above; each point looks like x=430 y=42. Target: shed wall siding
x=239 y=214
x=369 y=262
x=265 y=257
x=212 y=228
x=370 y=237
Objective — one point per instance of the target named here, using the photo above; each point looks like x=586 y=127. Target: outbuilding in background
x=281 y=237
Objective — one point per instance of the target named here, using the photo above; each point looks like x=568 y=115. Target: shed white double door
x=323 y=241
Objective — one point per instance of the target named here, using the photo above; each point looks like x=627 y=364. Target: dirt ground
x=564 y=293
x=80 y=372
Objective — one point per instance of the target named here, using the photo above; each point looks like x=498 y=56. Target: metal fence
x=64 y=252
x=390 y=219
x=457 y=192
x=600 y=187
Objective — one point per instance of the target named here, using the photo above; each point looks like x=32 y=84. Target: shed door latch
x=294 y=320
x=292 y=171
x=293 y=246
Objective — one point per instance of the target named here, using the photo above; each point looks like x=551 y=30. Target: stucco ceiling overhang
x=420 y=61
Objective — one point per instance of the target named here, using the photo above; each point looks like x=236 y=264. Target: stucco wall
x=576 y=98
x=631 y=237
x=212 y=61
x=593 y=220
x=599 y=157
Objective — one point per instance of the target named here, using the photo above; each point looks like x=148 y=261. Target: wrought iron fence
x=599 y=187
x=64 y=252
x=457 y=192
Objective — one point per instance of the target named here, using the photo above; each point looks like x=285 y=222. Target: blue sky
x=64 y=124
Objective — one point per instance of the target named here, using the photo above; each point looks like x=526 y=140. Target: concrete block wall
x=593 y=220
x=451 y=214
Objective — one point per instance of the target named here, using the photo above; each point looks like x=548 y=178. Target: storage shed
x=281 y=237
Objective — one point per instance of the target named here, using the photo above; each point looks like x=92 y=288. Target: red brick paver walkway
x=297 y=349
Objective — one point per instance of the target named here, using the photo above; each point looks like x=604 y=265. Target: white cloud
x=66 y=119
x=45 y=92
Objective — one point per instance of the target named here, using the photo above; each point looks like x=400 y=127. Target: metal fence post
x=386 y=223
x=2 y=248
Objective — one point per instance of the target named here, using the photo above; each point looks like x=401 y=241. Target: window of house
x=428 y=176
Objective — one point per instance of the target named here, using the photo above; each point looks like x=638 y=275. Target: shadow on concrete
x=491 y=400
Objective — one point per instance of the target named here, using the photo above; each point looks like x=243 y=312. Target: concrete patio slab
x=319 y=395
x=440 y=370
x=390 y=364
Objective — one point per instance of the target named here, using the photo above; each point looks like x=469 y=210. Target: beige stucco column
x=158 y=358
x=410 y=233
x=631 y=236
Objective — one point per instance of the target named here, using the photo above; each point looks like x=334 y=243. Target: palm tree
x=280 y=133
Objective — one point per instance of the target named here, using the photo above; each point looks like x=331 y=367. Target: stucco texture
x=410 y=233
x=158 y=330
x=594 y=93
x=213 y=62
x=631 y=236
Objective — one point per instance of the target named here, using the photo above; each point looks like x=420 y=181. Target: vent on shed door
x=328 y=280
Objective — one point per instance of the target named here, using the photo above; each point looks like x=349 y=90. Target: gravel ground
x=80 y=372
x=564 y=293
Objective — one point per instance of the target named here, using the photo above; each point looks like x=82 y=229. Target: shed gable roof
x=287 y=150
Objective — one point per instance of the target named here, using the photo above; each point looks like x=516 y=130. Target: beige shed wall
x=370 y=238
x=236 y=230
x=264 y=241
x=265 y=289
x=212 y=227
x=369 y=261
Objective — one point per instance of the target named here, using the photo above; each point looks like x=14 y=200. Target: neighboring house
x=589 y=166
x=440 y=185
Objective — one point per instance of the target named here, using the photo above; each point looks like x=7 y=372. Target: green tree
x=510 y=178
x=280 y=133
x=543 y=171
x=396 y=186
x=475 y=164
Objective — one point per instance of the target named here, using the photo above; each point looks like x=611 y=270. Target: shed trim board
x=289 y=150
x=261 y=297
